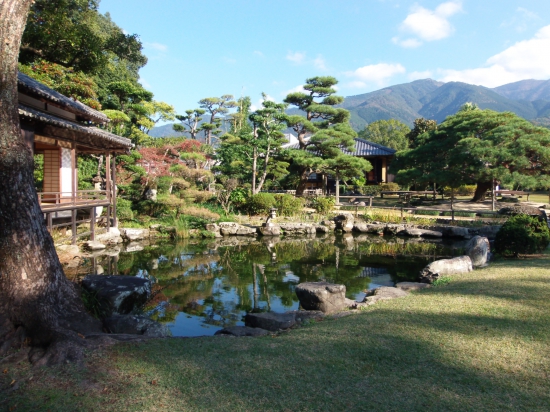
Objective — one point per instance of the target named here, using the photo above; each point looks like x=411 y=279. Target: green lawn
x=478 y=343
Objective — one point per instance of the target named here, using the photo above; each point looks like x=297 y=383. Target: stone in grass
x=135 y=325
x=384 y=293
x=478 y=250
x=118 y=294
x=240 y=331
x=406 y=286
x=270 y=321
x=323 y=296
x=442 y=267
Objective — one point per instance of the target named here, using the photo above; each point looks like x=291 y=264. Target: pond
x=203 y=286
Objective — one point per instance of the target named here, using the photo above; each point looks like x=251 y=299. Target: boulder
x=298 y=228
x=344 y=222
x=135 y=325
x=306 y=315
x=383 y=293
x=478 y=249
x=434 y=270
x=329 y=223
x=369 y=228
x=213 y=228
x=150 y=194
x=323 y=229
x=232 y=228
x=118 y=294
x=134 y=247
x=323 y=296
x=240 y=331
x=522 y=208
x=111 y=237
x=407 y=286
x=68 y=251
x=94 y=245
x=393 y=229
x=134 y=234
x=419 y=233
x=270 y=321
x=270 y=230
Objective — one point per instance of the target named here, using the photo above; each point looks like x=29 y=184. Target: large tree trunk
x=481 y=191
x=36 y=299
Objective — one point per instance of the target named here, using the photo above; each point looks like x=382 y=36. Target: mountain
x=435 y=100
x=165 y=131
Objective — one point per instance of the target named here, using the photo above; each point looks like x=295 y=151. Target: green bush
x=522 y=234
x=389 y=187
x=323 y=204
x=260 y=203
x=427 y=212
x=371 y=190
x=464 y=190
x=124 y=209
x=288 y=205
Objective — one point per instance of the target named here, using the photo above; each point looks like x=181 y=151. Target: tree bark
x=36 y=299
x=302 y=185
x=481 y=191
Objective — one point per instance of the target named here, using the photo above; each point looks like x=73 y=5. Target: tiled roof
x=363 y=148
x=30 y=86
x=102 y=137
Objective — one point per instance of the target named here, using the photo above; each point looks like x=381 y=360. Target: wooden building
x=60 y=129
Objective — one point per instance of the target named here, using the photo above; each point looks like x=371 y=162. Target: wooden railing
x=50 y=201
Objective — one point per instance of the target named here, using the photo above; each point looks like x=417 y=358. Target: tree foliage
x=476 y=146
x=390 y=133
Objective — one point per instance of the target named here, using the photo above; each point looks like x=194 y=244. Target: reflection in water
x=203 y=286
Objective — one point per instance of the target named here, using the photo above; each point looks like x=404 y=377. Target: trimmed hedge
x=522 y=234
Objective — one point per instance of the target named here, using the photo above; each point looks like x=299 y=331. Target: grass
x=478 y=343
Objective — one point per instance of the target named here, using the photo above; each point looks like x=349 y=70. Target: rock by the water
x=420 y=233
x=213 y=228
x=461 y=264
x=134 y=247
x=522 y=208
x=369 y=228
x=329 y=223
x=406 y=286
x=305 y=315
x=135 y=325
x=94 y=245
x=344 y=222
x=393 y=229
x=478 y=249
x=232 y=228
x=118 y=294
x=323 y=229
x=270 y=230
x=240 y=331
x=111 y=237
x=270 y=320
x=323 y=296
x=135 y=234
x=298 y=228
x=384 y=293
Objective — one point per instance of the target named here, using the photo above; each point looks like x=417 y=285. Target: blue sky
x=200 y=49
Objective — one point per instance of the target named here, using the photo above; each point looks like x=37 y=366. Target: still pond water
x=203 y=286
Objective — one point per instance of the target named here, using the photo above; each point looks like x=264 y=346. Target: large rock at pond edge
x=135 y=325
x=118 y=294
x=111 y=237
x=434 y=270
x=478 y=249
x=270 y=230
x=490 y=232
x=298 y=228
x=134 y=234
x=213 y=228
x=240 y=331
x=419 y=233
x=323 y=296
x=406 y=286
x=383 y=293
x=270 y=321
x=523 y=209
x=344 y=222
x=393 y=229
x=234 y=229
x=369 y=228
x=94 y=245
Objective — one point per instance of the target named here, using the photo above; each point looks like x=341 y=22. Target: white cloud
x=320 y=63
x=296 y=89
x=527 y=59
x=258 y=53
x=420 y=75
x=374 y=73
x=296 y=57
x=428 y=25
x=522 y=20
x=157 y=46
x=229 y=60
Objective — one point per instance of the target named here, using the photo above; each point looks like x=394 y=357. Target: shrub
x=371 y=190
x=389 y=187
x=200 y=213
x=197 y=196
x=124 y=209
x=260 y=203
x=163 y=184
x=288 y=205
x=323 y=204
x=522 y=234
x=464 y=190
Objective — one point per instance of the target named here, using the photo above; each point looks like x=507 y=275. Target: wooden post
x=92 y=224
x=493 y=196
x=73 y=226
x=113 y=184
x=50 y=222
x=74 y=170
x=338 y=189
x=401 y=213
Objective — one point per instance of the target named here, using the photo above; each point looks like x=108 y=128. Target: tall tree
x=215 y=106
x=476 y=147
x=324 y=130
x=190 y=122
x=390 y=133
x=36 y=299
